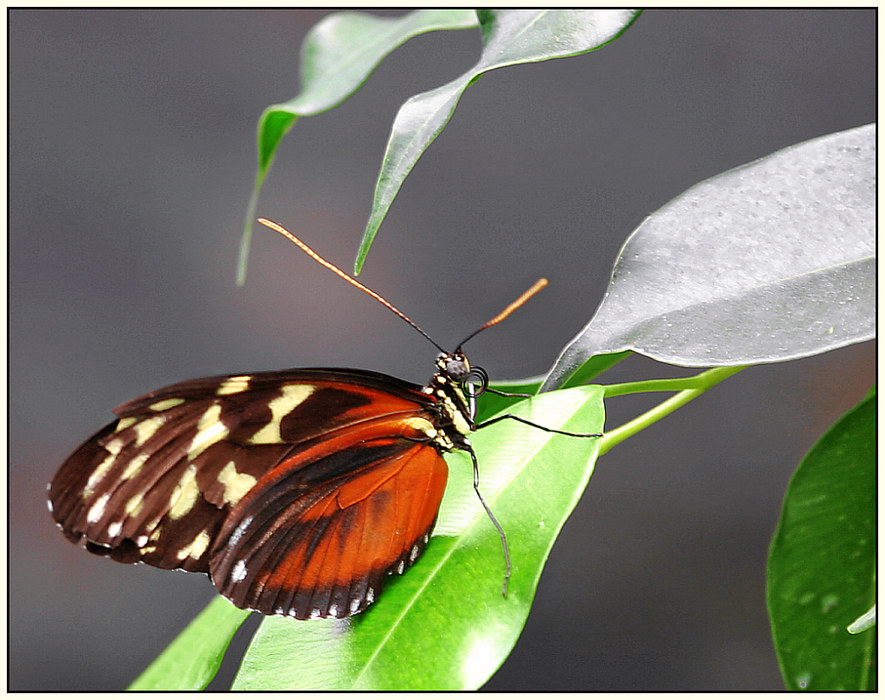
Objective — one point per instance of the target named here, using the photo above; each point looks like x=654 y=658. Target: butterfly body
x=297 y=491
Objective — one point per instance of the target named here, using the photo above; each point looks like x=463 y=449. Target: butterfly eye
x=476 y=382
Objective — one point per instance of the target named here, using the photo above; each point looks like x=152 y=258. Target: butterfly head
x=457 y=379
x=454 y=365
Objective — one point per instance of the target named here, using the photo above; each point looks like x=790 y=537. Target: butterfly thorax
x=456 y=410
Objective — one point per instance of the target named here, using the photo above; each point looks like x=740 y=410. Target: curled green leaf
x=510 y=37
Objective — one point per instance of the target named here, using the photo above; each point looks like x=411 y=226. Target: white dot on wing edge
x=239 y=572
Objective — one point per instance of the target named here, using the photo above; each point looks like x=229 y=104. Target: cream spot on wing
x=292 y=396
x=97 y=510
x=134 y=466
x=370 y=595
x=196 y=548
x=124 y=423
x=154 y=530
x=333 y=610
x=141 y=540
x=236 y=485
x=233 y=385
x=114 y=529
x=115 y=446
x=134 y=504
x=401 y=567
x=185 y=494
x=209 y=418
x=413 y=555
x=209 y=431
x=145 y=430
x=354 y=605
x=98 y=474
x=166 y=404
x=315 y=614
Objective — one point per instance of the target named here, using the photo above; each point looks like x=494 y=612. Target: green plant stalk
x=689 y=389
x=246 y=241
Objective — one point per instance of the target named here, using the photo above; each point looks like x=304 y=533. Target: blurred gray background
x=132 y=153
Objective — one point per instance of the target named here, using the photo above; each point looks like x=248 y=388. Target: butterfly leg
x=488 y=510
x=490 y=421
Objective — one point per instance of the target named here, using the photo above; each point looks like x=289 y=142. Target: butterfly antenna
x=513 y=306
x=347 y=278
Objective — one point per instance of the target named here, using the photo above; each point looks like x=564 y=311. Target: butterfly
x=297 y=491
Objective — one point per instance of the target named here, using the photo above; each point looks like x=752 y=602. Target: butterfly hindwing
x=158 y=484
x=364 y=506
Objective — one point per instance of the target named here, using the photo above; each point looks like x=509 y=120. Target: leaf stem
x=691 y=388
x=246 y=240
x=649 y=385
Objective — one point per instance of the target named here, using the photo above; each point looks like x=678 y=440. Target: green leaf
x=822 y=564
x=193 y=658
x=338 y=55
x=594 y=366
x=768 y=262
x=444 y=624
x=510 y=37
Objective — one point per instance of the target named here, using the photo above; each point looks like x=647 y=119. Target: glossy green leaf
x=444 y=624
x=771 y=261
x=337 y=57
x=193 y=658
x=593 y=367
x=510 y=37
x=822 y=564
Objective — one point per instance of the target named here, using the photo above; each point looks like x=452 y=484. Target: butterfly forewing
x=296 y=490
